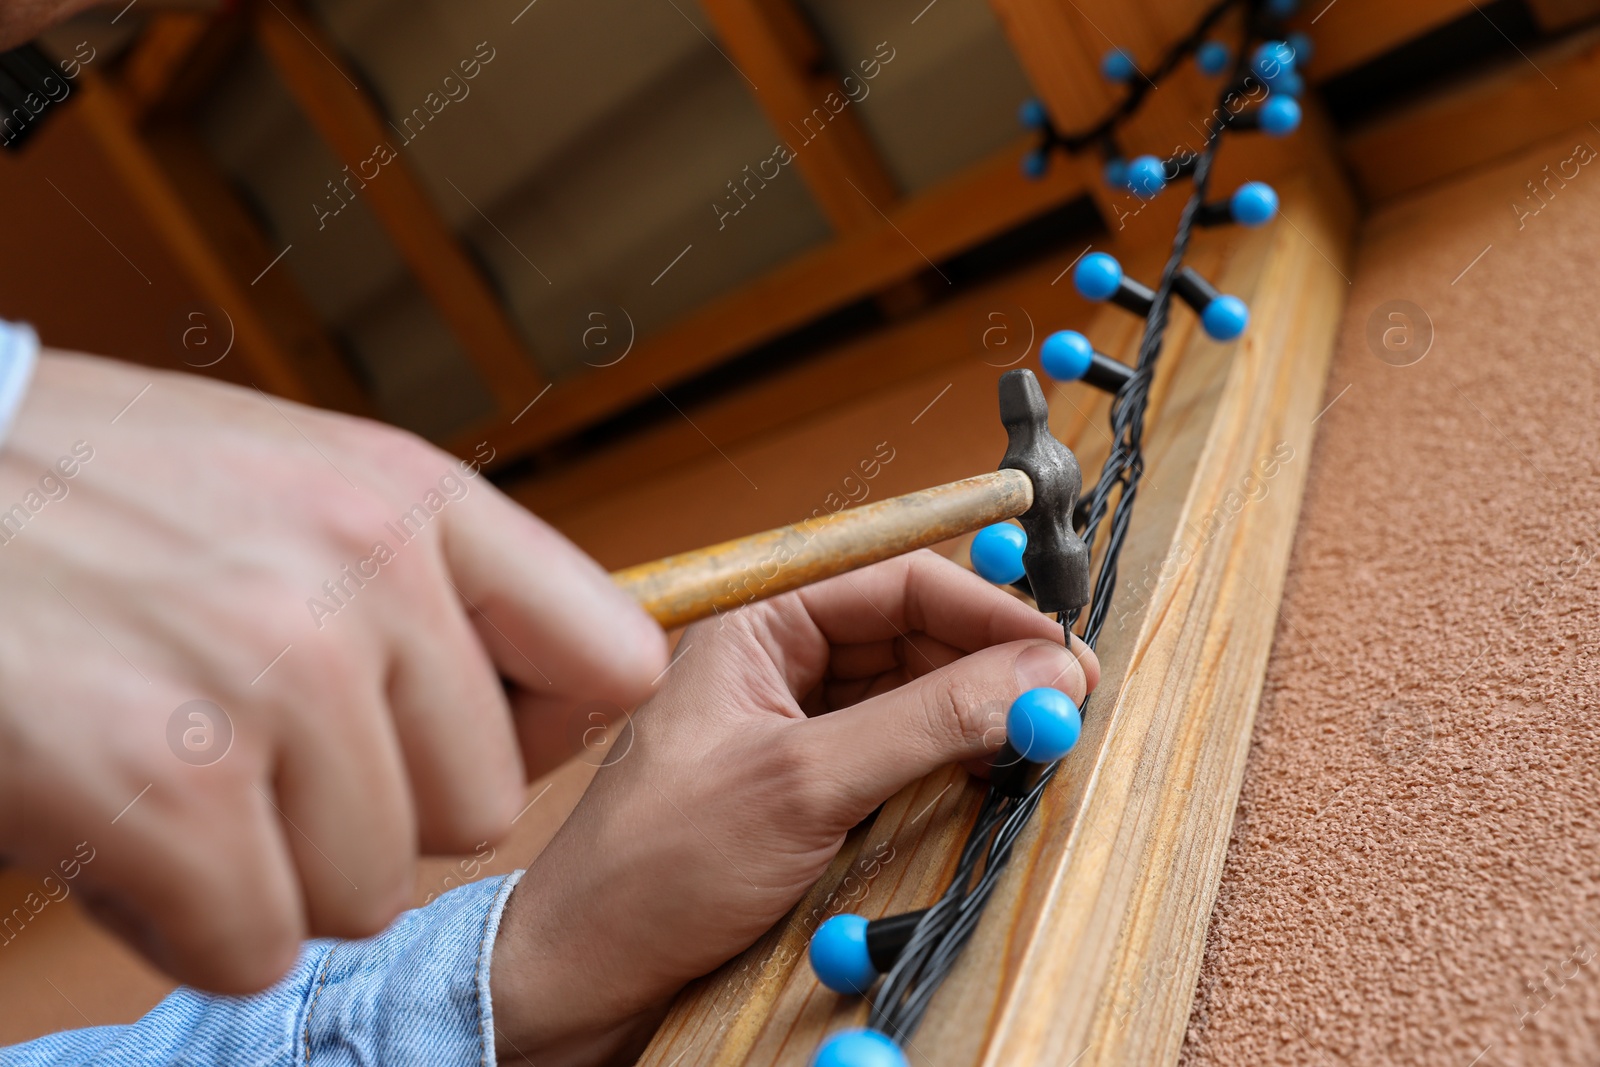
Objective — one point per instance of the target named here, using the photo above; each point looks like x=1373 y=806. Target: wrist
x=554 y=1003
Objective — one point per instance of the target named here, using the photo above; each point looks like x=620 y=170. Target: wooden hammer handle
x=693 y=585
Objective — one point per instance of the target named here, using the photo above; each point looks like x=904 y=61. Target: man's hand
x=779 y=727
x=251 y=657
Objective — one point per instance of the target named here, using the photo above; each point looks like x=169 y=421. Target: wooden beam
x=109 y=120
x=981 y=202
x=177 y=57
x=1351 y=32
x=162 y=49
x=1494 y=115
x=786 y=66
x=1091 y=946
x=778 y=53
x=353 y=127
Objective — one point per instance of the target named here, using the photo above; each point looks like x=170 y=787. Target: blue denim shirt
x=418 y=993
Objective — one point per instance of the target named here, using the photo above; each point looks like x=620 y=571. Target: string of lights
x=914 y=953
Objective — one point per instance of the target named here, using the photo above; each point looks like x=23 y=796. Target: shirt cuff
x=416 y=994
x=19 y=354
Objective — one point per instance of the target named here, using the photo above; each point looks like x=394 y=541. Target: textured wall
x=1414 y=875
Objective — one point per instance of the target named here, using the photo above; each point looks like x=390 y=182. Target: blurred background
x=432 y=213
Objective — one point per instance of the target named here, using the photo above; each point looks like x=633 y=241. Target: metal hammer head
x=1056 y=559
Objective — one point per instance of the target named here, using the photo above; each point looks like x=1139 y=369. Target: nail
x=1046 y=665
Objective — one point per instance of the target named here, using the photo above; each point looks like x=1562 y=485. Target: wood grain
x=1113 y=882
x=694 y=585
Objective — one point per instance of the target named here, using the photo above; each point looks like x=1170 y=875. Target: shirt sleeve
x=19 y=355
x=418 y=993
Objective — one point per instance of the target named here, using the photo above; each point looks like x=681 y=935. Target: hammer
x=1038 y=484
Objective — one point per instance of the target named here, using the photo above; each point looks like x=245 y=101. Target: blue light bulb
x=1302 y=47
x=1253 y=204
x=1212 y=58
x=1043 y=725
x=1118 y=66
x=839 y=955
x=1146 y=177
x=1035 y=164
x=1289 y=84
x=1098 y=276
x=1116 y=173
x=1280 y=116
x=1271 y=60
x=859 y=1048
x=1066 y=355
x=1225 y=318
x=997 y=553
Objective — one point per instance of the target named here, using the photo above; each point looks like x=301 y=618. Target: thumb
x=871 y=750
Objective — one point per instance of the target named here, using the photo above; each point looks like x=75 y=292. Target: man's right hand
x=251 y=659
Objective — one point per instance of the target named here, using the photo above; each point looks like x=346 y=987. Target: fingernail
x=1044 y=665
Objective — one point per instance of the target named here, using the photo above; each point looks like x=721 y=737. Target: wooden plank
x=986 y=199
x=1117 y=874
x=163 y=48
x=784 y=62
x=1351 y=32
x=178 y=57
x=1492 y=116
x=353 y=127
x=106 y=117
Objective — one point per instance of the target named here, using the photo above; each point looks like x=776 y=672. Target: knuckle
x=804 y=780
x=955 y=712
x=350 y=523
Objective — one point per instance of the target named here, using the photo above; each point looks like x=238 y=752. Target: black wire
x=945 y=929
x=1147 y=81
